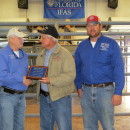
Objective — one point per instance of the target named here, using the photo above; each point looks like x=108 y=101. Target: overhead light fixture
x=120 y=27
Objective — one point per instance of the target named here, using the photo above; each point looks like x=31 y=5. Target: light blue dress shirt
x=46 y=61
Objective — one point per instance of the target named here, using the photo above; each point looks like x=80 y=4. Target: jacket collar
x=57 y=48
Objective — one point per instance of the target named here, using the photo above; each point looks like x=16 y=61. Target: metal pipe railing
x=60 y=23
x=78 y=34
x=26 y=23
x=78 y=115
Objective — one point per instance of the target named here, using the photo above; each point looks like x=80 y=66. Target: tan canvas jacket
x=61 y=72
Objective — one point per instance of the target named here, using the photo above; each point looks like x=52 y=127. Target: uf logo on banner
x=64 y=9
x=50 y=3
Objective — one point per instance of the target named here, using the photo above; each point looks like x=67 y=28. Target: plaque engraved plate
x=37 y=72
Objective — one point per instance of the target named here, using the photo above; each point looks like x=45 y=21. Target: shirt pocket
x=103 y=57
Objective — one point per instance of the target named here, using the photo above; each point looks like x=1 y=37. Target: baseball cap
x=50 y=30
x=93 y=18
x=16 y=32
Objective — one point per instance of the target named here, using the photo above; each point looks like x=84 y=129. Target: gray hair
x=55 y=40
x=10 y=37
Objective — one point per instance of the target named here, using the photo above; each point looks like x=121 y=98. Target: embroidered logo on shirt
x=104 y=46
x=12 y=56
x=57 y=58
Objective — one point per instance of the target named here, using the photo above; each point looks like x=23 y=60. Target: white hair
x=10 y=36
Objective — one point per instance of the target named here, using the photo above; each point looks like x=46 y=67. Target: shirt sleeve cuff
x=118 y=92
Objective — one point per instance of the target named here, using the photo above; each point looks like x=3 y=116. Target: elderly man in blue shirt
x=99 y=76
x=13 y=71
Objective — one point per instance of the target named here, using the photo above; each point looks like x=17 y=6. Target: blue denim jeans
x=58 y=111
x=97 y=106
x=12 y=111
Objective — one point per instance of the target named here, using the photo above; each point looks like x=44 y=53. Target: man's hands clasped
x=27 y=82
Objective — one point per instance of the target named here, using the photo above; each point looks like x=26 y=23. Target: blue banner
x=64 y=9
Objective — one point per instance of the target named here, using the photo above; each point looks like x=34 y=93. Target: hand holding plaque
x=37 y=72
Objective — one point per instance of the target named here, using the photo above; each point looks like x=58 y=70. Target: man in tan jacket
x=55 y=89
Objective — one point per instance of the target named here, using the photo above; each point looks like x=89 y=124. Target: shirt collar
x=52 y=49
x=98 y=38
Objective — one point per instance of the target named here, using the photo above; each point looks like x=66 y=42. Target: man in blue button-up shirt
x=99 y=76
x=13 y=82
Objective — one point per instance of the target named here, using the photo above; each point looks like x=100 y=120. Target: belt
x=98 y=85
x=11 y=91
x=44 y=93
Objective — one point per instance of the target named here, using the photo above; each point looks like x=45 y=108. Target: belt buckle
x=93 y=86
x=47 y=93
x=103 y=85
x=19 y=92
